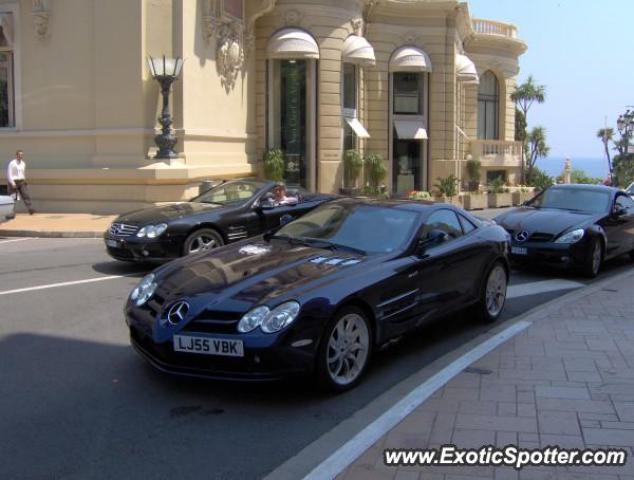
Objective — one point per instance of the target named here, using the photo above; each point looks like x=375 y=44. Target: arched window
x=488 y=107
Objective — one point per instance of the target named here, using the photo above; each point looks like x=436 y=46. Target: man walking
x=16 y=175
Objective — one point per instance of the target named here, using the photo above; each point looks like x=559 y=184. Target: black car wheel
x=493 y=296
x=632 y=254
x=593 y=260
x=344 y=353
x=202 y=240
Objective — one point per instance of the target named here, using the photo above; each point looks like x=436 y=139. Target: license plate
x=112 y=243
x=519 y=250
x=208 y=346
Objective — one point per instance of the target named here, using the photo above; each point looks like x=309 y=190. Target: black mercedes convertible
x=227 y=213
x=319 y=294
x=577 y=226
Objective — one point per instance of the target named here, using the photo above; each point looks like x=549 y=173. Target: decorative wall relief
x=223 y=26
x=357 y=25
x=40 y=11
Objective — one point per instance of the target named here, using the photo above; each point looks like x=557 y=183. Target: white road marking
x=533 y=288
x=350 y=451
x=62 y=284
x=16 y=240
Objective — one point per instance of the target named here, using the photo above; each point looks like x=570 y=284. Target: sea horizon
x=592 y=166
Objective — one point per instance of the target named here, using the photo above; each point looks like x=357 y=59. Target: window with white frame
x=7 y=95
x=488 y=107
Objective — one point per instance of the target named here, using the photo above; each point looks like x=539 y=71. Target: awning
x=292 y=43
x=410 y=130
x=466 y=70
x=410 y=59
x=358 y=50
x=357 y=127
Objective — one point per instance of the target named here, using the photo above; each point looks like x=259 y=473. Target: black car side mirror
x=619 y=211
x=435 y=237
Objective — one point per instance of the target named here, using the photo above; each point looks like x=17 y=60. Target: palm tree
x=524 y=96
x=538 y=148
x=607 y=135
x=528 y=93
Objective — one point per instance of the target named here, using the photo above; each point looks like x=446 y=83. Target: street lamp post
x=165 y=71
x=625 y=124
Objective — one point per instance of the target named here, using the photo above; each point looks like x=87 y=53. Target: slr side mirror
x=619 y=211
x=433 y=238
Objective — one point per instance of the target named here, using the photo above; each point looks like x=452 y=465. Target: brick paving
x=567 y=380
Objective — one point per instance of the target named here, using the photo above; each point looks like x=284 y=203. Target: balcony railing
x=497 y=153
x=490 y=27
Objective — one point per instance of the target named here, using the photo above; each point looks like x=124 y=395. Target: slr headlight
x=269 y=321
x=152 y=231
x=571 y=237
x=144 y=290
x=252 y=319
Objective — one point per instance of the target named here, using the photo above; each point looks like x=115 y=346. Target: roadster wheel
x=202 y=240
x=594 y=259
x=345 y=351
x=493 y=296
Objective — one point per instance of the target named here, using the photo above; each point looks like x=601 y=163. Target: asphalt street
x=78 y=403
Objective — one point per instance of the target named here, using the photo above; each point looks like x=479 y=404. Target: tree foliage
x=537 y=148
x=623 y=173
x=540 y=179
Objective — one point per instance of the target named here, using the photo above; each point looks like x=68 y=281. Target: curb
x=49 y=234
x=311 y=456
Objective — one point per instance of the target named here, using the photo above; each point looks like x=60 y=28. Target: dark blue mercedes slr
x=320 y=294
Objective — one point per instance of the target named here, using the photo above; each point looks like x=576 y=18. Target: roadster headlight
x=280 y=317
x=269 y=321
x=152 y=231
x=571 y=237
x=252 y=319
x=144 y=290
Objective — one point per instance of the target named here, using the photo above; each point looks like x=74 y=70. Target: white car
x=7 y=208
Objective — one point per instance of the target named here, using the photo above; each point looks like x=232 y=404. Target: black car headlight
x=571 y=237
x=269 y=321
x=144 y=290
x=152 y=231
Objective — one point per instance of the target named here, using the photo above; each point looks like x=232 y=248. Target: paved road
x=77 y=403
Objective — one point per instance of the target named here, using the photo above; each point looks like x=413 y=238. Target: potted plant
x=375 y=173
x=521 y=194
x=474 y=199
x=473 y=174
x=352 y=166
x=447 y=189
x=499 y=195
x=274 y=166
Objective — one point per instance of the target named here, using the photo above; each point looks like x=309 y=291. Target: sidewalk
x=80 y=225
x=51 y=225
x=566 y=380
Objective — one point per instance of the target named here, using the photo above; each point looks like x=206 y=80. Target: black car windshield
x=230 y=193
x=370 y=228
x=574 y=199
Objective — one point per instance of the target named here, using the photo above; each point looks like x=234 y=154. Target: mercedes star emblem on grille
x=177 y=312
x=521 y=236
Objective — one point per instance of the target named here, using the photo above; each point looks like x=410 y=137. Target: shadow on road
x=122 y=268
x=89 y=409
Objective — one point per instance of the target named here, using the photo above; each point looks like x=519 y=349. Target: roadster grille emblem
x=177 y=312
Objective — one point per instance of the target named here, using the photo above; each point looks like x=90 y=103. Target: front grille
x=214 y=321
x=122 y=230
x=541 y=237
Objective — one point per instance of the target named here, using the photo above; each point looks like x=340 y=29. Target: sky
x=583 y=52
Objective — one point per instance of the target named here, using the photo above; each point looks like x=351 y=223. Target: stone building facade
x=419 y=82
